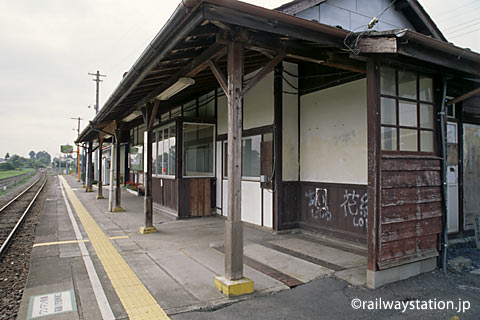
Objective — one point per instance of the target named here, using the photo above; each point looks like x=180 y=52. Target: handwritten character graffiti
x=356 y=206
x=317 y=203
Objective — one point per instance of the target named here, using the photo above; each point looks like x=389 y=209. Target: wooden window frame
x=418 y=102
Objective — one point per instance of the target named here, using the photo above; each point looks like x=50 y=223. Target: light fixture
x=175 y=88
x=132 y=116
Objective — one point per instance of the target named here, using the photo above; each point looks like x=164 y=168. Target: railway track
x=14 y=212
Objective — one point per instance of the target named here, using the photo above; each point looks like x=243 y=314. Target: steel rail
x=19 y=222
x=18 y=196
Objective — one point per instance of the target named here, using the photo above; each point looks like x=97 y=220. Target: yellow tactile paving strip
x=135 y=298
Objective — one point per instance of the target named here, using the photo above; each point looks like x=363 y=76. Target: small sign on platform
x=51 y=303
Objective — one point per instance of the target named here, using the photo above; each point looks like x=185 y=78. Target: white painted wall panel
x=267 y=208
x=290 y=125
x=251 y=202
x=219 y=175
x=222 y=115
x=258 y=104
x=334 y=134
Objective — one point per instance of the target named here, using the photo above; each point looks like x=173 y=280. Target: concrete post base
x=89 y=189
x=100 y=197
x=376 y=279
x=118 y=209
x=146 y=230
x=234 y=287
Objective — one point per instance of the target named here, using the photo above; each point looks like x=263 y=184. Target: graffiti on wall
x=317 y=203
x=356 y=206
x=350 y=204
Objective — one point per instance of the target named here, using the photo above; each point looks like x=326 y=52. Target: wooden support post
x=278 y=144
x=149 y=113
x=374 y=167
x=118 y=189
x=100 y=180
x=233 y=225
x=89 y=168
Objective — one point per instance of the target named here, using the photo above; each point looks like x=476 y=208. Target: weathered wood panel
x=200 y=197
x=411 y=209
x=165 y=195
x=341 y=208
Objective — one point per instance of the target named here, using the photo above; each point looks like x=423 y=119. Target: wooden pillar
x=233 y=225
x=149 y=114
x=374 y=162
x=118 y=189
x=278 y=122
x=100 y=182
x=89 y=168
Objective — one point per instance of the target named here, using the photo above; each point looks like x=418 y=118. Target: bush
x=6 y=166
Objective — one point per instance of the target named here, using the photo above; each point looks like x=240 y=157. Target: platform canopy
x=198 y=31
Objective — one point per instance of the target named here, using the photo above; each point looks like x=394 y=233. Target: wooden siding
x=342 y=210
x=167 y=195
x=411 y=209
x=196 y=197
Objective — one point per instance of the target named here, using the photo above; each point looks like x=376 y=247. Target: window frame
x=418 y=103
x=225 y=159
x=155 y=135
x=213 y=173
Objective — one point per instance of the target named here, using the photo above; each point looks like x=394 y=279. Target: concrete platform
x=176 y=266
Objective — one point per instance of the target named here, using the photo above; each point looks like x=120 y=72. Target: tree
x=32 y=154
x=44 y=157
x=7 y=156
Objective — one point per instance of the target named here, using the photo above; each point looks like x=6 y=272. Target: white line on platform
x=102 y=301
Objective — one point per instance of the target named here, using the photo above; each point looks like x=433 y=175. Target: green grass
x=12 y=173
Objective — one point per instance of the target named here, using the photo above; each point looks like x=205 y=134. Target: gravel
x=15 y=263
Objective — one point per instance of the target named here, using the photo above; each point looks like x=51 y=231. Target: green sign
x=66 y=149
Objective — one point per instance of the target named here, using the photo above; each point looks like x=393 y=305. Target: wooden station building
x=338 y=120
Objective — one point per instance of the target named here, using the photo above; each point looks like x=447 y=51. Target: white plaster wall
x=258 y=103
x=218 y=175
x=251 y=201
x=267 y=208
x=290 y=124
x=334 y=134
x=222 y=115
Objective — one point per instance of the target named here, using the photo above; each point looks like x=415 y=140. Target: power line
x=446 y=18
x=448 y=12
x=465 y=33
x=461 y=24
x=461 y=29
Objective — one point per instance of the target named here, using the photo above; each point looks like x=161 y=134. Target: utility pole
x=97 y=79
x=78 y=148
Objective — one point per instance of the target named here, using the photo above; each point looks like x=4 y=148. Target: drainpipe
x=444 y=177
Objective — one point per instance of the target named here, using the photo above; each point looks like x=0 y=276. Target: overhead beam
x=266 y=70
x=190 y=70
x=464 y=96
x=218 y=75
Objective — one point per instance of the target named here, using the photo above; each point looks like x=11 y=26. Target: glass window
x=407 y=84
x=389 y=138
x=426 y=89
x=198 y=148
x=426 y=116
x=251 y=156
x=408 y=140
x=154 y=153
x=171 y=151
x=389 y=114
x=407 y=113
x=407 y=118
x=387 y=83
x=426 y=141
